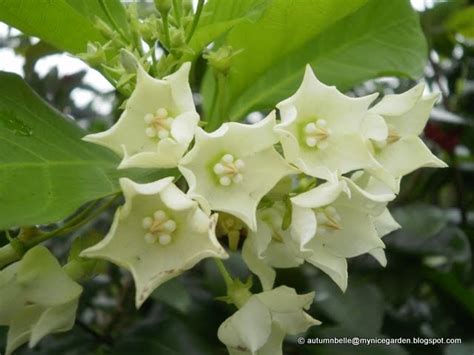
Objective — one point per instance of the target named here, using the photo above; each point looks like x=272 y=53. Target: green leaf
x=334 y=36
x=174 y=294
x=111 y=12
x=46 y=170
x=167 y=335
x=218 y=17
x=467 y=348
x=462 y=21
x=362 y=303
x=419 y=222
x=56 y=22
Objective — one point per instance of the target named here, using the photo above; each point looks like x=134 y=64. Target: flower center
x=159 y=228
x=316 y=134
x=158 y=124
x=228 y=170
x=392 y=137
x=328 y=220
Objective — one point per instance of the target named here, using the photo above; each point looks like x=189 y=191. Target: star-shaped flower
x=37 y=298
x=260 y=326
x=158 y=123
x=157 y=234
x=232 y=168
x=321 y=129
x=402 y=151
x=345 y=217
x=338 y=219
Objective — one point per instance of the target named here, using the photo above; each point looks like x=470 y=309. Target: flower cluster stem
x=196 y=18
x=9 y=254
x=224 y=273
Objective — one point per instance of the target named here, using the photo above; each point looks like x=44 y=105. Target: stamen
x=150 y=238
x=316 y=133
x=228 y=170
x=165 y=239
x=328 y=219
x=158 y=124
x=159 y=228
x=225 y=181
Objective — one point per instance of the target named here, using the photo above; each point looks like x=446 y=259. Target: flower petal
x=152 y=264
x=406 y=155
x=396 y=105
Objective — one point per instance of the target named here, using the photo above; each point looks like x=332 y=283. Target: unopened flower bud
x=163 y=6
x=95 y=54
x=104 y=28
x=221 y=59
x=178 y=38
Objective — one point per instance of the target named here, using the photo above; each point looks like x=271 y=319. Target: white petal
x=303 y=225
x=406 y=155
x=374 y=127
x=248 y=328
x=396 y=105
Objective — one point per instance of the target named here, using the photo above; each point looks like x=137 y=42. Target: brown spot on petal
x=241 y=348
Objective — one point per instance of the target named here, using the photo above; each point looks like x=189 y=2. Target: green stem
x=218 y=106
x=82 y=214
x=224 y=273
x=8 y=254
x=69 y=227
x=166 y=30
x=104 y=7
x=177 y=12
x=196 y=18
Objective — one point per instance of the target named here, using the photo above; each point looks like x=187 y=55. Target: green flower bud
x=187 y=6
x=221 y=59
x=129 y=61
x=163 y=6
x=178 y=38
x=104 y=28
x=95 y=54
x=149 y=29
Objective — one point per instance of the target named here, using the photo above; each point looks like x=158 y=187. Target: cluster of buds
x=166 y=28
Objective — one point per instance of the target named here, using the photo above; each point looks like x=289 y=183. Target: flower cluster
x=311 y=186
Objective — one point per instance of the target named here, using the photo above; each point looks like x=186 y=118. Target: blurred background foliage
x=427 y=289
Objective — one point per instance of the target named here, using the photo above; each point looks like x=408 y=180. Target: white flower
x=260 y=326
x=402 y=151
x=157 y=234
x=321 y=129
x=37 y=298
x=269 y=246
x=158 y=123
x=336 y=220
x=232 y=168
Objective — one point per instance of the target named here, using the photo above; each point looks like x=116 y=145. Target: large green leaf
x=57 y=22
x=345 y=42
x=46 y=170
x=218 y=17
x=362 y=303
